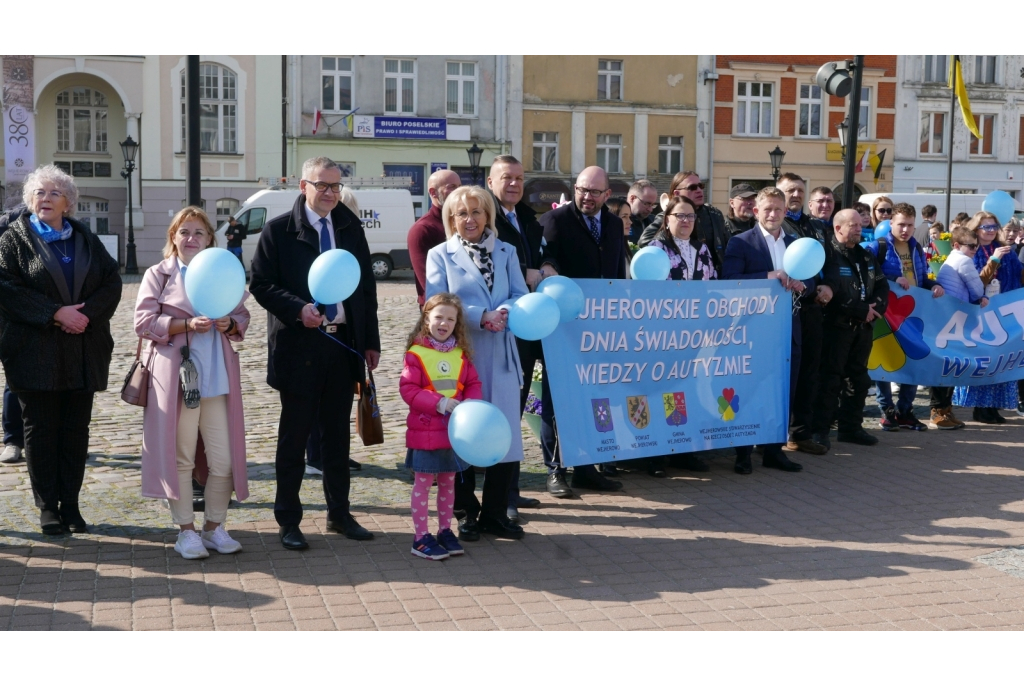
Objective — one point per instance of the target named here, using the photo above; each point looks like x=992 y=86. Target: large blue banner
x=653 y=368
x=945 y=342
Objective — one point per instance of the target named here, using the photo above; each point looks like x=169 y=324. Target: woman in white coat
x=484 y=272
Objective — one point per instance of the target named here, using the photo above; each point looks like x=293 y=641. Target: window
x=202 y=204
x=986 y=126
x=400 y=86
x=461 y=88
x=336 y=84
x=253 y=219
x=609 y=153
x=545 y=151
x=810 y=111
x=81 y=120
x=936 y=68
x=93 y=212
x=670 y=154
x=865 y=113
x=609 y=79
x=754 y=109
x=218 y=102
x=985 y=69
x=225 y=208
x=933 y=133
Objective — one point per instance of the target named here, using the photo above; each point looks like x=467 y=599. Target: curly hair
x=50 y=173
x=460 y=332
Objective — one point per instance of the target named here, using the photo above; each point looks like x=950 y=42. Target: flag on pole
x=864 y=162
x=876 y=162
x=316 y=120
x=956 y=82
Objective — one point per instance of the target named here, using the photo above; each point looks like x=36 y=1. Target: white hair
x=314 y=164
x=50 y=173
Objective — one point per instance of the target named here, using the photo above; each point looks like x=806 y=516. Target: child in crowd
x=438 y=375
x=902 y=260
x=934 y=231
x=958 y=276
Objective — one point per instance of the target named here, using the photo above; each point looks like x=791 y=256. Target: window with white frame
x=609 y=153
x=460 y=85
x=670 y=154
x=985 y=69
x=545 y=151
x=400 y=86
x=936 y=68
x=986 y=124
x=933 y=133
x=94 y=212
x=810 y=111
x=754 y=108
x=865 y=114
x=336 y=84
x=609 y=79
x=81 y=120
x=226 y=208
x=218 y=108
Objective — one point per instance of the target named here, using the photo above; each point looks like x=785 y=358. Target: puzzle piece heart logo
x=897 y=336
x=728 y=404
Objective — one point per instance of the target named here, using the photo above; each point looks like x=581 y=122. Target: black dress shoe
x=469 y=530
x=609 y=469
x=689 y=462
x=656 y=468
x=994 y=414
x=526 y=503
x=823 y=440
x=354 y=465
x=743 y=466
x=50 y=523
x=778 y=460
x=292 y=538
x=501 y=528
x=557 y=487
x=594 y=481
x=72 y=520
x=513 y=513
x=349 y=528
x=858 y=437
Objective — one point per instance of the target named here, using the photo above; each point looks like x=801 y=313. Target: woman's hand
x=495 y=321
x=223 y=324
x=1000 y=252
x=200 y=324
x=71 y=320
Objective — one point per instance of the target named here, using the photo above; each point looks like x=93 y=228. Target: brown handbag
x=135 y=389
x=368 y=422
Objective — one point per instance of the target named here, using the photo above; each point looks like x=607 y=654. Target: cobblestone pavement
x=917 y=533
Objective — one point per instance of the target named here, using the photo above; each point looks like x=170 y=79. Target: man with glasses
x=428 y=231
x=642 y=199
x=822 y=204
x=861 y=295
x=316 y=351
x=584 y=240
x=709 y=228
x=741 y=209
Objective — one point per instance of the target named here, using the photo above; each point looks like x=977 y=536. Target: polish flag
x=863 y=165
x=316 y=120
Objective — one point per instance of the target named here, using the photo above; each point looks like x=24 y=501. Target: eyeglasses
x=884 y=210
x=53 y=194
x=692 y=187
x=322 y=187
x=685 y=217
x=645 y=203
x=988 y=227
x=970 y=246
x=592 y=192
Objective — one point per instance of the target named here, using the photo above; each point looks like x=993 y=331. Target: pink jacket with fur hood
x=427 y=429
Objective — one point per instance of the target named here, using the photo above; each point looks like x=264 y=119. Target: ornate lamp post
x=776 y=156
x=474 y=161
x=128 y=148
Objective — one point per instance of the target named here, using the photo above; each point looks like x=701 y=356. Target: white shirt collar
x=769 y=236
x=314 y=219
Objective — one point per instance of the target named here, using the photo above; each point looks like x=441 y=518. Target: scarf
x=480 y=253
x=48 y=234
x=446 y=346
x=795 y=216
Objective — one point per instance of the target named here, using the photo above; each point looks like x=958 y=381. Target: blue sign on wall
x=410 y=127
x=438 y=166
x=652 y=368
x=413 y=171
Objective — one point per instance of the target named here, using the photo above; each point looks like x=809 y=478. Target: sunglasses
x=970 y=246
x=988 y=227
x=692 y=187
x=884 y=210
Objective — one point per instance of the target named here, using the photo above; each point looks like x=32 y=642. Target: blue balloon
x=650 y=264
x=479 y=433
x=566 y=294
x=803 y=259
x=534 y=316
x=333 y=276
x=1000 y=203
x=883 y=229
x=215 y=282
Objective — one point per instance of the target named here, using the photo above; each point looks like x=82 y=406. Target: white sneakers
x=10 y=455
x=191 y=545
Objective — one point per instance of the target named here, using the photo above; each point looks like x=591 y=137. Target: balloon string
x=329 y=337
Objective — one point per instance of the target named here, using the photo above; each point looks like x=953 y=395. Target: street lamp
x=776 y=156
x=474 y=160
x=843 y=79
x=128 y=149
x=843 y=129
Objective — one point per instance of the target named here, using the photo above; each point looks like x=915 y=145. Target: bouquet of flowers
x=943 y=244
x=935 y=263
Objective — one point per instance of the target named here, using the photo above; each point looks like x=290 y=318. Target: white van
x=386 y=214
x=969 y=203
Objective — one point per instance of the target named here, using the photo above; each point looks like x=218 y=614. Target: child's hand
x=450 y=406
x=903 y=282
x=983 y=302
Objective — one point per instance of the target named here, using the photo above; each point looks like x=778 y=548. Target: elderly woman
x=994 y=262
x=689 y=259
x=58 y=290
x=171 y=431
x=484 y=272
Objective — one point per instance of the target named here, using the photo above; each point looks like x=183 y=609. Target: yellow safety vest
x=443 y=368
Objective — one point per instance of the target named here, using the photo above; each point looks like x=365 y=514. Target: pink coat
x=162 y=298
x=425 y=428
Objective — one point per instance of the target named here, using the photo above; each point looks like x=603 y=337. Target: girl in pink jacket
x=438 y=374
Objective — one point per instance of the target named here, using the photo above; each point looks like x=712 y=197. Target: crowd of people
x=474 y=252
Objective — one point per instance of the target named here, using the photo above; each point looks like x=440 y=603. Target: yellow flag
x=956 y=81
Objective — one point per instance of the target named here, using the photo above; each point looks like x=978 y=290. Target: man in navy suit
x=758 y=254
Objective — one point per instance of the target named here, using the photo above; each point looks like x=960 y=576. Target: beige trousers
x=211 y=419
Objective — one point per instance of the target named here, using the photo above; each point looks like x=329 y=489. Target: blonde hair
x=461 y=196
x=187 y=214
x=460 y=331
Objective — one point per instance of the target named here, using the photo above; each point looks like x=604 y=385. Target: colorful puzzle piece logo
x=897 y=335
x=728 y=404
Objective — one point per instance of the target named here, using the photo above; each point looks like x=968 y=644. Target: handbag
x=135 y=389
x=189 y=375
x=368 y=422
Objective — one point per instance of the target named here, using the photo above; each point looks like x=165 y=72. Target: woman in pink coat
x=165 y=317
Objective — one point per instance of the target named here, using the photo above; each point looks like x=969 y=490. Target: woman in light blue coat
x=484 y=272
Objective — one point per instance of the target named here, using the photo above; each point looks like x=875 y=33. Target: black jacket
x=36 y=354
x=736 y=226
x=529 y=250
x=709 y=229
x=856 y=281
x=572 y=250
x=637 y=226
x=286 y=250
x=807 y=227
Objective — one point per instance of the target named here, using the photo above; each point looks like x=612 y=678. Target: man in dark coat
x=584 y=240
x=709 y=228
x=741 y=209
x=428 y=231
x=642 y=199
x=315 y=352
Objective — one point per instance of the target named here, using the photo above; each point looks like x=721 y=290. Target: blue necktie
x=325 y=245
x=511 y=216
x=595 y=230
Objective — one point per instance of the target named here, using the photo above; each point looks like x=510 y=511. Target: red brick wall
x=724 y=91
x=787 y=122
x=885 y=125
x=834 y=119
x=833 y=101
x=886 y=95
x=886 y=62
x=787 y=94
x=723 y=120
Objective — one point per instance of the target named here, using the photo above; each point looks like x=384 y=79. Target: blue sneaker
x=428 y=548
x=447 y=539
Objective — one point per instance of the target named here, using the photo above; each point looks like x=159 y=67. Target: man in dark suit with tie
x=758 y=254
x=584 y=240
x=315 y=352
